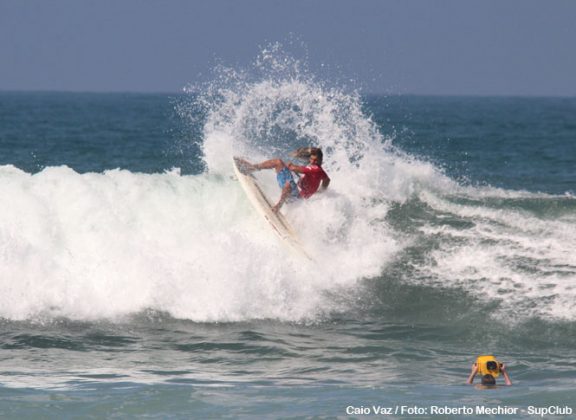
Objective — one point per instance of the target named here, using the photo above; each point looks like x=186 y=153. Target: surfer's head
x=316 y=155
x=488 y=380
x=306 y=153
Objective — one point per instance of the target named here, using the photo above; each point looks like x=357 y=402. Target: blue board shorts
x=285 y=176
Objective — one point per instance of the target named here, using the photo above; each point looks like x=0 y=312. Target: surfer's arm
x=309 y=170
x=507 y=380
x=472 y=374
x=298 y=169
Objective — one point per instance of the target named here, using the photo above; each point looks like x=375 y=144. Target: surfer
x=313 y=179
x=488 y=380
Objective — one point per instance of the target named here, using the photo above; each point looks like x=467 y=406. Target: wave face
x=113 y=243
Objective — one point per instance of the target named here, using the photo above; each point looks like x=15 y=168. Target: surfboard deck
x=263 y=206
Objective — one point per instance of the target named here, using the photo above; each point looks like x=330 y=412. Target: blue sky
x=490 y=47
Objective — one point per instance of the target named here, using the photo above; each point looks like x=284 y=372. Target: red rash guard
x=310 y=182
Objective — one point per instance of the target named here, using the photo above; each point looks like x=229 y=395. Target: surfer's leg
x=276 y=164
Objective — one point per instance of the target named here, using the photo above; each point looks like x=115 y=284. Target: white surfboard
x=264 y=207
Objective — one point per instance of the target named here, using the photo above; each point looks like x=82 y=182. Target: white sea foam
x=508 y=255
x=104 y=245
x=109 y=244
x=93 y=245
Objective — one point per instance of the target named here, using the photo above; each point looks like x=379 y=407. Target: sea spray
x=104 y=245
x=518 y=261
x=115 y=243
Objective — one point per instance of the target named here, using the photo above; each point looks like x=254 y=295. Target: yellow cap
x=483 y=368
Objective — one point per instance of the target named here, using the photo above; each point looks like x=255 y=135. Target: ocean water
x=137 y=281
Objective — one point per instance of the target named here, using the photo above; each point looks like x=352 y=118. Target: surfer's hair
x=304 y=153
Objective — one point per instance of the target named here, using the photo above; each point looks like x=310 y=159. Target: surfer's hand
x=474 y=367
x=276 y=208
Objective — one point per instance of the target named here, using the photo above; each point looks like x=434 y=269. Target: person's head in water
x=488 y=369
x=488 y=380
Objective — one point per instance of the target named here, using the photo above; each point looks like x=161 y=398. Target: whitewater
x=109 y=244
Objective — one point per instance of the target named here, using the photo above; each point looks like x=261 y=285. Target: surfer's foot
x=246 y=167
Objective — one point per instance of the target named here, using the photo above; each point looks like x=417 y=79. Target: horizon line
x=362 y=93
